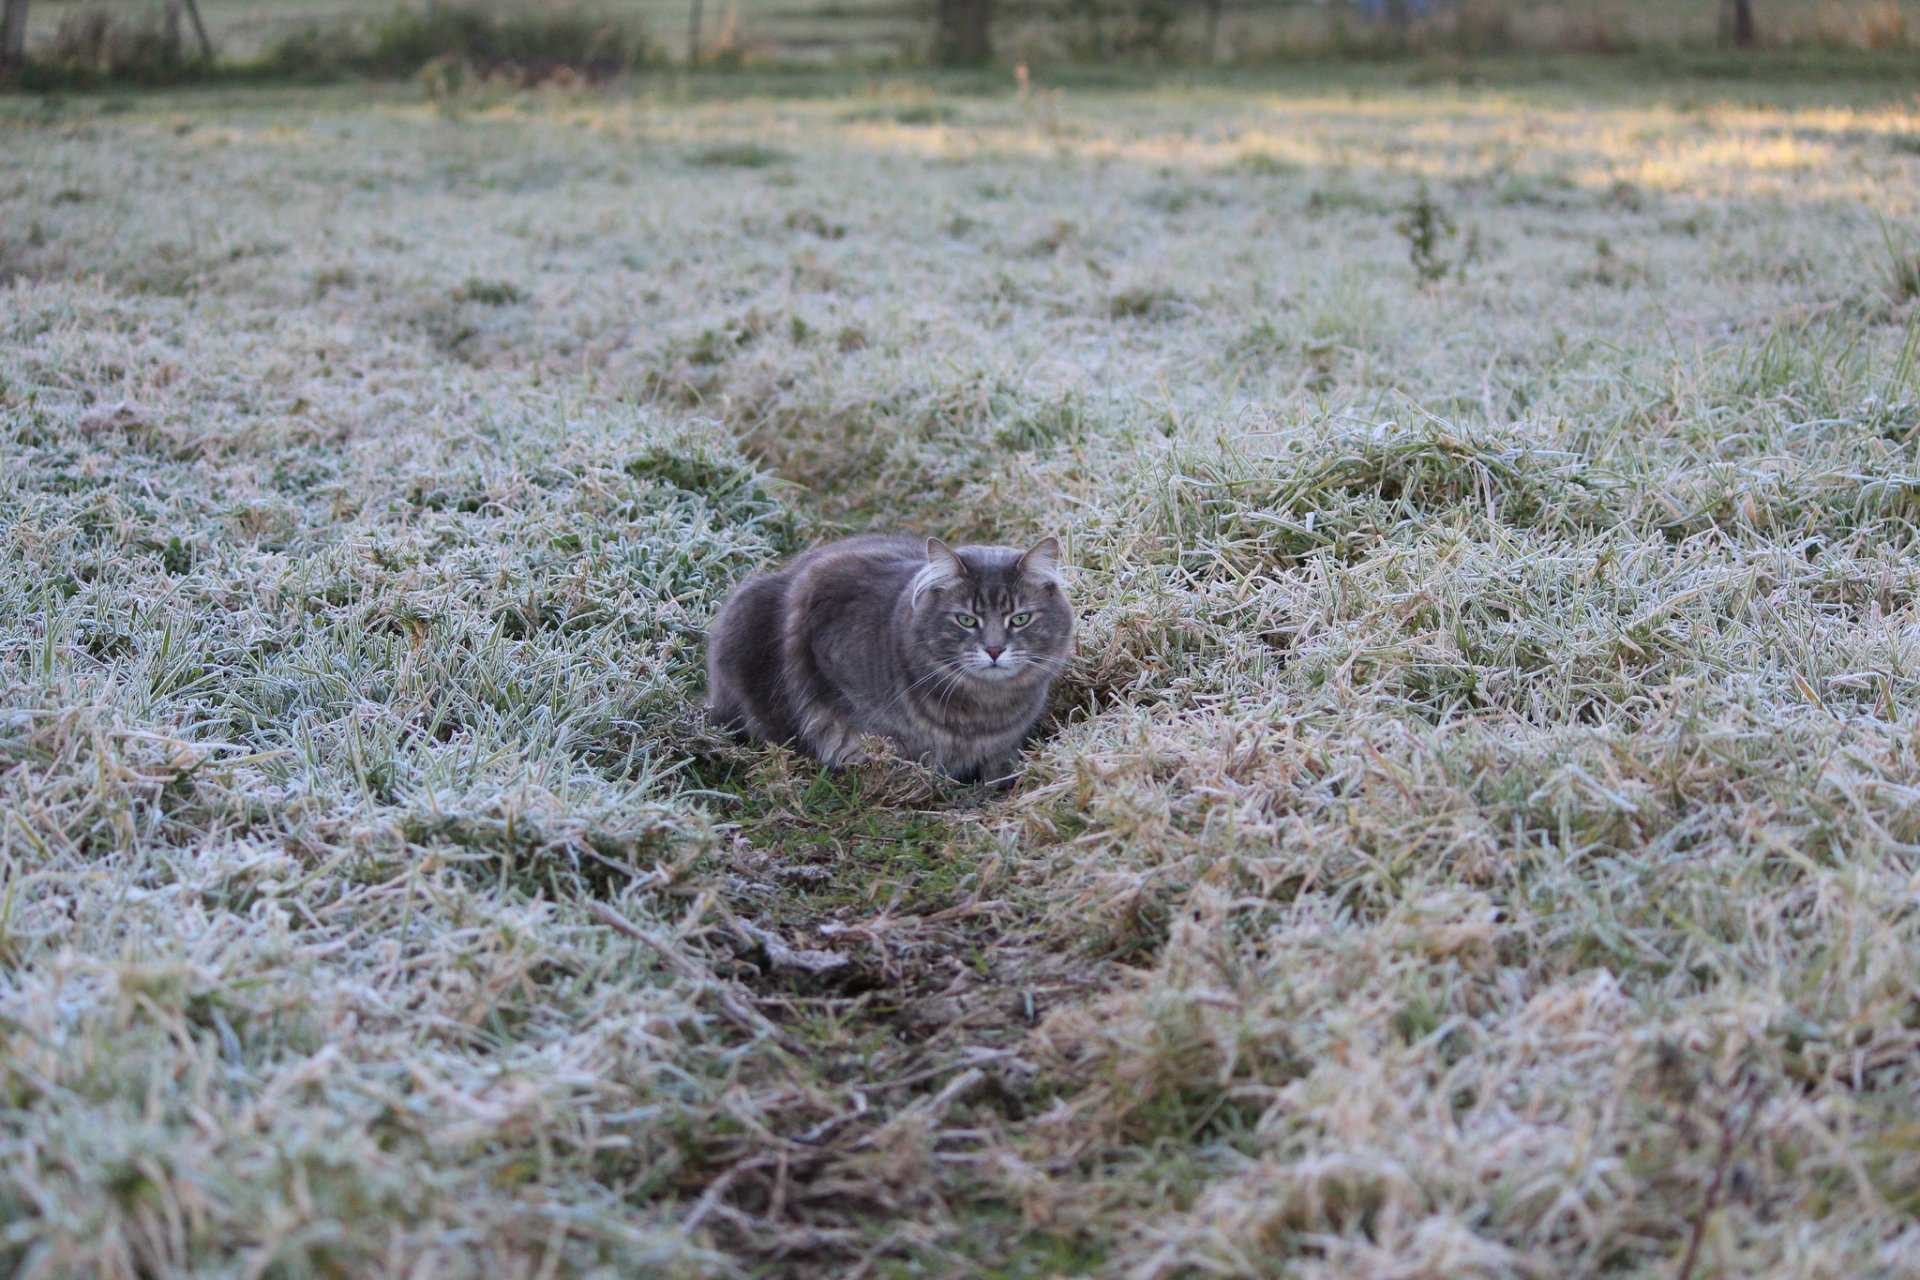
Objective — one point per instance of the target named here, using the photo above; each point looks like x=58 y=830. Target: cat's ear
x=945 y=558
x=944 y=569
x=1042 y=560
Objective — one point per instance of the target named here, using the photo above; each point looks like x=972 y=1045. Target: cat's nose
x=994 y=651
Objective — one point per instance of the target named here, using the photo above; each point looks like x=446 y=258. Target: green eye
x=966 y=619
x=1019 y=619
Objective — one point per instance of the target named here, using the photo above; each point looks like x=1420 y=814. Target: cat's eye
x=966 y=619
x=1020 y=619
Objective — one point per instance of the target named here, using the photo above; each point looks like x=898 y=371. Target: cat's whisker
x=944 y=694
x=940 y=668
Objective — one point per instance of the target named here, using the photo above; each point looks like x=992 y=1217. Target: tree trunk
x=200 y=30
x=1212 y=47
x=693 y=35
x=964 y=37
x=13 y=34
x=1739 y=23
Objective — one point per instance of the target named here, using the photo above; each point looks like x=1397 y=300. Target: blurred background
x=79 y=41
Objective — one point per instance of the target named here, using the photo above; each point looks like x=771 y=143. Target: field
x=1479 y=835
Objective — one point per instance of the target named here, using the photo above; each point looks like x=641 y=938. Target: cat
x=947 y=652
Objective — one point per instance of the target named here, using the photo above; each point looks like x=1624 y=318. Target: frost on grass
x=1476 y=836
x=310 y=740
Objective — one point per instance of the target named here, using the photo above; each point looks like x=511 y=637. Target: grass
x=1476 y=836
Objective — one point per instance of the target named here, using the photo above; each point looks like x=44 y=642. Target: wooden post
x=13 y=35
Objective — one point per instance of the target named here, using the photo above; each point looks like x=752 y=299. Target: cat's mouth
x=1005 y=669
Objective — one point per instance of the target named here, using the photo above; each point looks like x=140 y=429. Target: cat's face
x=993 y=614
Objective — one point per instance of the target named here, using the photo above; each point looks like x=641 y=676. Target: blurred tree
x=693 y=35
x=13 y=34
x=963 y=35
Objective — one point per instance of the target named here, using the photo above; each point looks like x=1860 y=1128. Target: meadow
x=1478 y=836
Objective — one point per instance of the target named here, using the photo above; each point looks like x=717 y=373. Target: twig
x=716 y=1191
x=931 y=1110
x=1731 y=1135
x=730 y=1005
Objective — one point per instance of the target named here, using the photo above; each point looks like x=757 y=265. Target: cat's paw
x=835 y=745
x=1000 y=775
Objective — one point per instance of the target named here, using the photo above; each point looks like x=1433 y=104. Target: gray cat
x=947 y=652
